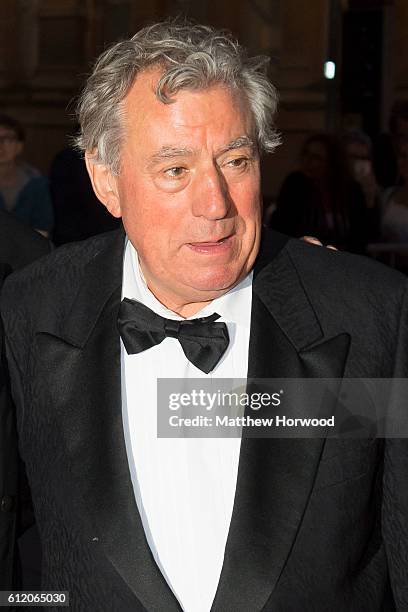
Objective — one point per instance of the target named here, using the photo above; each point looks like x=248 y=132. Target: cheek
x=248 y=204
x=152 y=220
x=137 y=205
x=153 y=231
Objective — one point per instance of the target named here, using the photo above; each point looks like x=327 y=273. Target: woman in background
x=394 y=224
x=322 y=199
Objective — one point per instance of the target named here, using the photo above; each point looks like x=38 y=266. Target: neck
x=184 y=310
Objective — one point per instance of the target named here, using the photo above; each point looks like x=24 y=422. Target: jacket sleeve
x=16 y=511
x=8 y=471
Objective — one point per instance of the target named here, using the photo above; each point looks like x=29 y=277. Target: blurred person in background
x=8 y=471
x=386 y=145
x=19 y=244
x=20 y=550
x=321 y=198
x=359 y=152
x=77 y=211
x=394 y=224
x=23 y=191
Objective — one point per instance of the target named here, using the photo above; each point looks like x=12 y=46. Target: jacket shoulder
x=19 y=243
x=342 y=274
x=351 y=293
x=59 y=272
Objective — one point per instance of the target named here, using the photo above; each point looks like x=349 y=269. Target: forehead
x=194 y=116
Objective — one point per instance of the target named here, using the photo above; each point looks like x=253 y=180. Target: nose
x=212 y=198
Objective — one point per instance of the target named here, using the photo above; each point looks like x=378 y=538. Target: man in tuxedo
x=19 y=245
x=8 y=470
x=173 y=122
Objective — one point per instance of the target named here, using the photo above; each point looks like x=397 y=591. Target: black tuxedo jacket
x=317 y=525
x=20 y=244
x=8 y=469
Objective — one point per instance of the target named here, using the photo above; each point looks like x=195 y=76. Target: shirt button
x=7 y=503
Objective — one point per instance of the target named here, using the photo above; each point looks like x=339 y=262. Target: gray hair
x=191 y=57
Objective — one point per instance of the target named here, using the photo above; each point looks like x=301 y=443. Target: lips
x=210 y=243
x=212 y=247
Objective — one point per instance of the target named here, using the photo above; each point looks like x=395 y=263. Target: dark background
x=47 y=48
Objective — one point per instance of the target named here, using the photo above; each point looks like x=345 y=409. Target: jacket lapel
x=275 y=476
x=87 y=389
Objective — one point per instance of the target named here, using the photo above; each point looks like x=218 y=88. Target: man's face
x=10 y=146
x=189 y=191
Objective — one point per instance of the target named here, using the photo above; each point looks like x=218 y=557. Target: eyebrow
x=170 y=152
x=237 y=143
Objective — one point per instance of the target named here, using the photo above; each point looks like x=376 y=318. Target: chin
x=216 y=281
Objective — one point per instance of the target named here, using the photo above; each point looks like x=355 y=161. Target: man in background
x=19 y=246
x=77 y=211
x=386 y=145
x=23 y=191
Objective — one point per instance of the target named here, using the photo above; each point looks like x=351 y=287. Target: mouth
x=212 y=246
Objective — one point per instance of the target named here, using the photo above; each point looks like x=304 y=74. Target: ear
x=104 y=185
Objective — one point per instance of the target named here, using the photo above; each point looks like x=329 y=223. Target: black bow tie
x=203 y=341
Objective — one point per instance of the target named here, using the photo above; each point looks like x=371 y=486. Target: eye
x=238 y=162
x=175 y=172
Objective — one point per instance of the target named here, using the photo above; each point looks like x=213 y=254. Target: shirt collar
x=230 y=306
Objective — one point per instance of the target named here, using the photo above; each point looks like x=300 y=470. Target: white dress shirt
x=184 y=487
